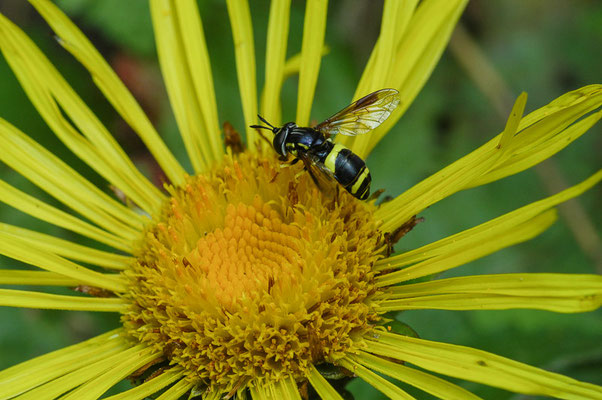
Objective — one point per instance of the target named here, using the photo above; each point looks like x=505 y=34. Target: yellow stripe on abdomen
x=358 y=182
x=332 y=157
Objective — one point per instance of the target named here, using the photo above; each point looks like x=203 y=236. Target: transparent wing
x=322 y=176
x=362 y=116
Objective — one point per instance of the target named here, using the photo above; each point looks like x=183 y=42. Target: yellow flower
x=244 y=279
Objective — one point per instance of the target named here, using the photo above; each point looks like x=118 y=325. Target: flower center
x=246 y=256
x=251 y=273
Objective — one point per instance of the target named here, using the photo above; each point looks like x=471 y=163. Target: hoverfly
x=325 y=159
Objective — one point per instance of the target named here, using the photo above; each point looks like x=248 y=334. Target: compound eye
x=280 y=142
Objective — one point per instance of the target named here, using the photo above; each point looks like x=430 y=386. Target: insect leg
x=285 y=163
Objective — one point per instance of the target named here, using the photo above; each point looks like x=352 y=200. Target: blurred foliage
x=544 y=47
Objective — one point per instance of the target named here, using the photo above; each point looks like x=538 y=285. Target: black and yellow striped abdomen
x=349 y=170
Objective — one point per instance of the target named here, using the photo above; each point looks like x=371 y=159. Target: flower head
x=253 y=277
x=247 y=277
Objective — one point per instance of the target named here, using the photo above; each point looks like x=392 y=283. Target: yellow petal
x=244 y=50
x=552 y=292
x=92 y=369
x=172 y=59
x=286 y=389
x=538 y=133
x=26 y=299
x=531 y=156
x=513 y=121
x=487 y=233
x=321 y=385
x=395 y=17
x=291 y=67
x=68 y=249
x=74 y=41
x=44 y=278
x=418 y=50
x=119 y=370
x=42 y=369
x=386 y=387
x=440 y=388
x=83 y=133
x=38 y=209
x=471 y=248
x=150 y=387
x=531 y=284
x=61 y=181
x=314 y=29
x=293 y=64
x=275 y=58
x=405 y=12
x=199 y=67
x=177 y=390
x=18 y=249
x=480 y=366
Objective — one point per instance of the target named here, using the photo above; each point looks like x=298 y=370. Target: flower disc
x=251 y=273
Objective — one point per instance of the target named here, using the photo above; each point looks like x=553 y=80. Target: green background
x=544 y=47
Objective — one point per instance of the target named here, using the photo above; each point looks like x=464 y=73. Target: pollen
x=251 y=273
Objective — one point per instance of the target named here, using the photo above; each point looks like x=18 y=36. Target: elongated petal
x=388 y=388
x=62 y=182
x=321 y=385
x=176 y=391
x=314 y=29
x=178 y=81
x=530 y=284
x=84 y=134
x=440 y=388
x=291 y=67
x=472 y=248
x=275 y=58
x=150 y=387
x=552 y=292
x=531 y=156
x=418 y=48
x=494 y=302
x=197 y=58
x=293 y=63
x=44 y=278
x=480 y=366
x=370 y=80
x=395 y=18
x=500 y=232
x=38 y=209
x=259 y=393
x=32 y=373
x=244 y=51
x=285 y=389
x=542 y=132
x=18 y=249
x=69 y=380
x=74 y=41
x=125 y=366
x=26 y=299
x=67 y=249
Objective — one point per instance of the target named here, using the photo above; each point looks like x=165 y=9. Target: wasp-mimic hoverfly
x=325 y=159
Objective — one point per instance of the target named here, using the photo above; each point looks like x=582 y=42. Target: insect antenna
x=260 y=127
x=269 y=126
x=266 y=122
